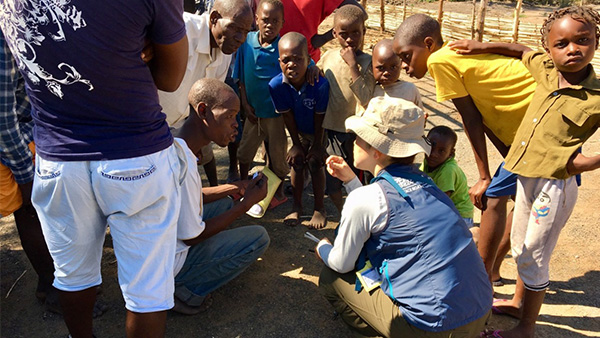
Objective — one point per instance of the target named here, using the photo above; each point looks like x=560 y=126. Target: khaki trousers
x=373 y=314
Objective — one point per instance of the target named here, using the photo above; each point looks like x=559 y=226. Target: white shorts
x=139 y=198
x=542 y=208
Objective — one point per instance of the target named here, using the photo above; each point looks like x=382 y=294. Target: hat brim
x=388 y=144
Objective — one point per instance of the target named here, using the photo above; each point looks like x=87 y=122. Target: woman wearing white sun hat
x=403 y=262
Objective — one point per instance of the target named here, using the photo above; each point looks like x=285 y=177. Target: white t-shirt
x=203 y=61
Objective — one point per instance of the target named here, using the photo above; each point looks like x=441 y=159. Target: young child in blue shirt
x=303 y=108
x=256 y=65
x=441 y=166
x=563 y=114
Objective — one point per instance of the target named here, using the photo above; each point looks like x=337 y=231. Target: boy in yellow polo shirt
x=564 y=113
x=491 y=93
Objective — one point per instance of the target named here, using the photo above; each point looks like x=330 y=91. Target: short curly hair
x=585 y=13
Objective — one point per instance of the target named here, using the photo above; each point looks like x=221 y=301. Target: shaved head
x=212 y=92
x=292 y=40
x=384 y=48
x=416 y=28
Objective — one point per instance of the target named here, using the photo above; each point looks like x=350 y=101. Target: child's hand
x=338 y=168
x=578 y=163
x=348 y=56
x=249 y=111
x=477 y=191
x=316 y=152
x=296 y=156
x=466 y=46
x=312 y=75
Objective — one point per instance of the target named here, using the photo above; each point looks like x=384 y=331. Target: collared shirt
x=203 y=61
x=345 y=95
x=255 y=66
x=557 y=123
x=16 y=125
x=500 y=86
x=304 y=103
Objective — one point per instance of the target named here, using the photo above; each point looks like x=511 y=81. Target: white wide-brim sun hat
x=393 y=126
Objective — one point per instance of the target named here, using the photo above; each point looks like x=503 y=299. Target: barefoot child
x=441 y=166
x=563 y=114
x=256 y=65
x=347 y=69
x=491 y=93
x=303 y=108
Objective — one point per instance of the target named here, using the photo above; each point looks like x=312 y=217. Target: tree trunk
x=473 y=20
x=382 y=19
x=481 y=20
x=441 y=12
x=515 y=35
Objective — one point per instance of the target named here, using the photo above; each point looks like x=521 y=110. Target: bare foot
x=506 y=307
x=293 y=218
x=318 y=220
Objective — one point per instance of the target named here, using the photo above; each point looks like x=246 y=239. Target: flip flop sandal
x=493 y=334
x=275 y=202
x=498 y=282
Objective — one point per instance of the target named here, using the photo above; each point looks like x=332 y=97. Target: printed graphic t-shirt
x=92 y=95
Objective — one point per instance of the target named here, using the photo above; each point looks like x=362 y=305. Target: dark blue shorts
x=504 y=183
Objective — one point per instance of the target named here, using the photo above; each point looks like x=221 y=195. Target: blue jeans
x=220 y=258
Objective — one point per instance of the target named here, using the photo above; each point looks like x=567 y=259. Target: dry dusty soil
x=278 y=295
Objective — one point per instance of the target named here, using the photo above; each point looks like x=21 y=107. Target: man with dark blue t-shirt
x=105 y=154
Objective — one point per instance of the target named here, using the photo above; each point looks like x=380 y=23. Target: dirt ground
x=278 y=295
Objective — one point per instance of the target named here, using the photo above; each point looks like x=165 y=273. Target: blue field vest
x=425 y=254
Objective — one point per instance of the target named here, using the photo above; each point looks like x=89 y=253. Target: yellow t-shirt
x=500 y=86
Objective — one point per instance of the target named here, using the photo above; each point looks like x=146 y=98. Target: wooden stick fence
x=459 y=26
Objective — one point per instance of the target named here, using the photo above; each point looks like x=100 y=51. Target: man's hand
x=338 y=168
x=241 y=186
x=256 y=190
x=325 y=239
x=296 y=155
x=147 y=51
x=349 y=57
x=312 y=75
x=578 y=163
x=476 y=193
x=466 y=46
